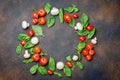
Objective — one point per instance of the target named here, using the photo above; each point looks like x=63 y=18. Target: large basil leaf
x=91 y=34
x=80 y=65
x=28 y=45
x=67 y=71
x=47 y=7
x=51 y=64
x=22 y=36
x=33 y=69
x=51 y=21
x=38 y=30
x=18 y=49
x=84 y=20
x=42 y=70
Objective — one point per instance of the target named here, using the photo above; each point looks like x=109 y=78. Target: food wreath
x=33 y=52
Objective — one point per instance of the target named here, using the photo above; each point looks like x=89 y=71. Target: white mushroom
x=60 y=65
x=94 y=40
x=34 y=40
x=79 y=26
x=54 y=11
x=26 y=55
x=25 y=24
x=75 y=57
x=76 y=28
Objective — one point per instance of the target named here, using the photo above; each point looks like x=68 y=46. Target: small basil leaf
x=67 y=71
x=18 y=49
x=33 y=69
x=84 y=19
x=69 y=58
x=58 y=74
x=51 y=21
x=51 y=64
x=22 y=36
x=81 y=46
x=28 y=45
x=61 y=12
x=42 y=53
x=38 y=30
x=72 y=23
x=47 y=7
x=83 y=32
x=91 y=34
x=73 y=66
x=31 y=51
x=80 y=65
x=69 y=9
x=27 y=61
x=42 y=70
x=75 y=8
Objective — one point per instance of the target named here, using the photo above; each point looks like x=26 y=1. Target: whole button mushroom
x=60 y=65
x=79 y=26
x=54 y=11
x=34 y=40
x=25 y=24
x=26 y=55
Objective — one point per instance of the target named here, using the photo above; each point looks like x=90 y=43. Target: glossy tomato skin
x=42 y=21
x=37 y=49
x=84 y=52
x=82 y=38
x=23 y=42
x=36 y=57
x=34 y=21
x=41 y=12
x=89 y=27
x=31 y=33
x=35 y=15
x=89 y=46
x=69 y=64
x=88 y=57
x=43 y=61
x=50 y=72
x=75 y=15
x=67 y=18
x=92 y=52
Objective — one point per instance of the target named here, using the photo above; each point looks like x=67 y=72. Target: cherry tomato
x=41 y=12
x=42 y=20
x=23 y=42
x=92 y=52
x=67 y=18
x=89 y=46
x=84 y=52
x=36 y=57
x=50 y=72
x=69 y=64
x=88 y=57
x=75 y=15
x=35 y=15
x=81 y=38
x=34 y=21
x=37 y=49
x=31 y=33
x=89 y=27
x=43 y=61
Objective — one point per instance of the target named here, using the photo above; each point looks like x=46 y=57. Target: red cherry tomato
x=43 y=61
x=81 y=38
x=89 y=27
x=42 y=20
x=69 y=64
x=75 y=15
x=35 y=15
x=88 y=57
x=84 y=52
x=37 y=49
x=50 y=72
x=31 y=33
x=23 y=42
x=34 y=21
x=41 y=12
x=92 y=52
x=89 y=46
x=67 y=18
x=36 y=57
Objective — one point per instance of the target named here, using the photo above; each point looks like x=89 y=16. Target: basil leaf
x=67 y=71
x=69 y=9
x=42 y=70
x=75 y=8
x=33 y=69
x=31 y=51
x=28 y=45
x=80 y=65
x=51 y=64
x=41 y=53
x=61 y=12
x=83 y=32
x=81 y=46
x=58 y=74
x=72 y=23
x=18 y=49
x=84 y=19
x=69 y=58
x=79 y=54
x=27 y=61
x=38 y=30
x=51 y=21
x=73 y=66
x=91 y=34
x=22 y=36
x=47 y=7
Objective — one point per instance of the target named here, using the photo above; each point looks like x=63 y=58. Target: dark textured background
x=61 y=40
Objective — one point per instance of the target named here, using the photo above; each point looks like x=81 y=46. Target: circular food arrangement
x=29 y=42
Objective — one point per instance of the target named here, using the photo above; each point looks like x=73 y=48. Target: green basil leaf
x=73 y=66
x=83 y=32
x=28 y=45
x=81 y=46
x=72 y=23
x=42 y=70
x=61 y=12
x=18 y=49
x=80 y=65
x=58 y=74
x=22 y=36
x=67 y=71
x=33 y=69
x=75 y=8
x=38 y=30
x=51 y=21
x=91 y=34
x=69 y=58
x=69 y=9
x=27 y=61
x=47 y=7
x=42 y=53
x=79 y=54
x=51 y=64
x=31 y=51
x=84 y=19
